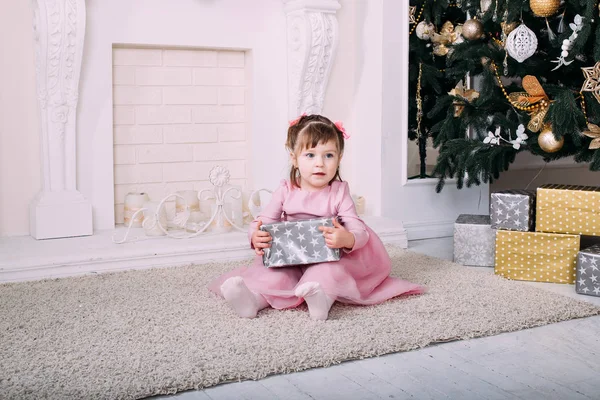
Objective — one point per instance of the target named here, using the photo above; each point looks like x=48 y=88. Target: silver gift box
x=298 y=243
x=513 y=210
x=474 y=241
x=588 y=271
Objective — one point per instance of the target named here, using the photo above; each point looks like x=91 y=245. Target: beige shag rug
x=135 y=334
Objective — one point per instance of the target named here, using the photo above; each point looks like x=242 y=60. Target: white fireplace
x=177 y=113
x=284 y=49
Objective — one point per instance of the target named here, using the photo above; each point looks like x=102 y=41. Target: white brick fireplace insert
x=290 y=59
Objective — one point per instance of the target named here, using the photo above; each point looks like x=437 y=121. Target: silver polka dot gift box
x=588 y=271
x=298 y=243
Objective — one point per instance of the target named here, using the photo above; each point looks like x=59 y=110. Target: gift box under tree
x=568 y=209
x=474 y=240
x=588 y=271
x=513 y=210
x=536 y=256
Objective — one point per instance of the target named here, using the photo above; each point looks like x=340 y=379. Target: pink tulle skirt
x=359 y=277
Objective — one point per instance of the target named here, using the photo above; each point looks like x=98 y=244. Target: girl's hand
x=337 y=237
x=260 y=239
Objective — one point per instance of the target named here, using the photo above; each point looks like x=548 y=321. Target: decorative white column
x=312 y=34
x=59 y=210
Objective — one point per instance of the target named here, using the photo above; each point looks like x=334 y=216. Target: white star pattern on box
x=587 y=278
x=304 y=243
x=513 y=210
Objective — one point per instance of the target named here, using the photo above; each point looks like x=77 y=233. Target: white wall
x=20 y=170
x=530 y=172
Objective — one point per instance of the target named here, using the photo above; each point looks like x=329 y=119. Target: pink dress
x=361 y=276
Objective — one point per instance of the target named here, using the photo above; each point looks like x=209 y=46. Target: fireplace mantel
x=74 y=71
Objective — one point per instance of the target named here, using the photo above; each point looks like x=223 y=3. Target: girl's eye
x=310 y=155
x=329 y=155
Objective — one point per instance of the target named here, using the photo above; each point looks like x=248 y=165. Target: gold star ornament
x=460 y=92
x=411 y=15
x=592 y=80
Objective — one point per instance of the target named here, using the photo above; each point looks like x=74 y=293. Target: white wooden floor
x=558 y=361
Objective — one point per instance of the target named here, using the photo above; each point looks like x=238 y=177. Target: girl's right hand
x=260 y=239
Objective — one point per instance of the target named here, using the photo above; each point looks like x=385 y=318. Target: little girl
x=315 y=190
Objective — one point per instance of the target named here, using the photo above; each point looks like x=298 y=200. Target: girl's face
x=317 y=165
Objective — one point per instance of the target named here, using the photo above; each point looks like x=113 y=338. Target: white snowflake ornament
x=521 y=43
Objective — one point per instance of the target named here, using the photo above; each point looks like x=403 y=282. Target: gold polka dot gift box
x=536 y=256
x=568 y=209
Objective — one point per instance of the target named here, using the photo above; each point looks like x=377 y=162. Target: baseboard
x=29 y=259
x=417 y=230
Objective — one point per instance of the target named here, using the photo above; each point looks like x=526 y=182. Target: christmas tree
x=491 y=78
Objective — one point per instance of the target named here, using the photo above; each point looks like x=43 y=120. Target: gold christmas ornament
x=472 y=29
x=534 y=100
x=548 y=142
x=425 y=30
x=592 y=80
x=593 y=131
x=544 y=8
x=412 y=10
x=447 y=36
x=468 y=95
x=507 y=28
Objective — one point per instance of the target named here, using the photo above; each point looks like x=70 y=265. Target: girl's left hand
x=337 y=237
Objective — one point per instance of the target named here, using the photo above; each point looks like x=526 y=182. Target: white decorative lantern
x=133 y=203
x=521 y=43
x=154 y=215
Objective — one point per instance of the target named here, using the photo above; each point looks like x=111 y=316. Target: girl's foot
x=244 y=302
x=318 y=302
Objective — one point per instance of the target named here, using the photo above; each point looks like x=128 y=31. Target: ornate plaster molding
x=312 y=35
x=59 y=29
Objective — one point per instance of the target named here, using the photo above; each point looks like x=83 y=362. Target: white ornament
x=521 y=43
x=567 y=44
x=425 y=30
x=485 y=5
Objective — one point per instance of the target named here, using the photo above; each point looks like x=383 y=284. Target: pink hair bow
x=295 y=121
x=340 y=126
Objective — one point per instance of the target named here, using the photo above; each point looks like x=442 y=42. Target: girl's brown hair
x=308 y=132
